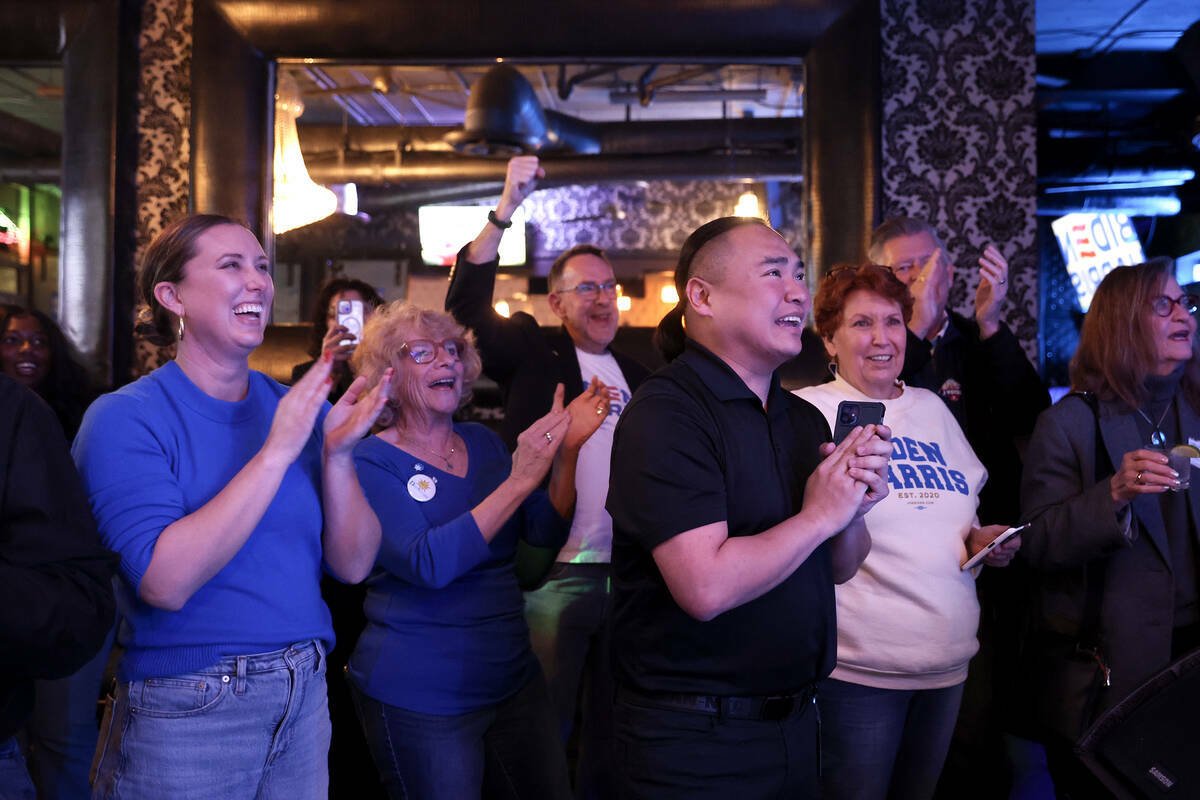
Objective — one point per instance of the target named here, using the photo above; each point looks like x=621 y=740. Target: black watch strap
x=499 y=223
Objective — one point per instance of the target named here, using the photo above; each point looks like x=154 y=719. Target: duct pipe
x=615 y=137
x=436 y=168
x=32 y=170
x=378 y=198
x=1148 y=177
x=1157 y=204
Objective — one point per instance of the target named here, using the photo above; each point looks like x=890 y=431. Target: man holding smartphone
x=567 y=614
x=733 y=517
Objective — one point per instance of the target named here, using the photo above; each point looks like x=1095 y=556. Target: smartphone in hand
x=992 y=545
x=350 y=317
x=853 y=414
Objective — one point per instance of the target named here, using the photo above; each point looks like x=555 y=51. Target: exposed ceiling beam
x=1119 y=70
x=23 y=138
x=415 y=32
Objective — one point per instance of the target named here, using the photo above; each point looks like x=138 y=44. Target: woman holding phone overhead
x=336 y=301
x=907 y=619
x=225 y=494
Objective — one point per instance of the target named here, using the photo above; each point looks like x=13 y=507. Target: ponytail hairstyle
x=669 y=336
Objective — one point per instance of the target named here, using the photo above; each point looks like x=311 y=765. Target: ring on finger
x=549 y=436
x=1003 y=281
x=1138 y=479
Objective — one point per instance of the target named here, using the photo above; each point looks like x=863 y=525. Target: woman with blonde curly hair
x=450 y=695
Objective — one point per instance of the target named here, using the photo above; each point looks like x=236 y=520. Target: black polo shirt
x=693 y=447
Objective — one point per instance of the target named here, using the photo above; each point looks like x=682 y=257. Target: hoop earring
x=181 y=329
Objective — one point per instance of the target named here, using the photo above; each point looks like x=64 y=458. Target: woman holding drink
x=1111 y=510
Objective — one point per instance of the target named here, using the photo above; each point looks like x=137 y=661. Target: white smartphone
x=350 y=317
x=992 y=545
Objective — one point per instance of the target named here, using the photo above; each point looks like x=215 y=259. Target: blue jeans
x=14 y=778
x=62 y=731
x=510 y=751
x=884 y=743
x=568 y=628
x=253 y=726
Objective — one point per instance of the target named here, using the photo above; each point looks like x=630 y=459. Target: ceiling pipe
x=625 y=98
x=1134 y=204
x=32 y=170
x=379 y=198
x=1149 y=177
x=418 y=168
x=670 y=136
x=566 y=85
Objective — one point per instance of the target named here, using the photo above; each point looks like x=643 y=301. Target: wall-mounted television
x=1092 y=244
x=445 y=229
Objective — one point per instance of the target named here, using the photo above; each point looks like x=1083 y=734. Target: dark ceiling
x=1118 y=96
x=1118 y=105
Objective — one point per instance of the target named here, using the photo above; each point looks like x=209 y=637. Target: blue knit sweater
x=157 y=450
x=446 y=630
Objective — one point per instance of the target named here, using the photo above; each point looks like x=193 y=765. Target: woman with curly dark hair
x=35 y=353
x=330 y=337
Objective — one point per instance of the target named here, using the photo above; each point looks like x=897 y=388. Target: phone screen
x=350 y=316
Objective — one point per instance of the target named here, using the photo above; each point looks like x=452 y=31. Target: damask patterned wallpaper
x=164 y=120
x=958 y=137
x=643 y=217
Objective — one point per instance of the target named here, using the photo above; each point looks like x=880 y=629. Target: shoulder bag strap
x=1096 y=569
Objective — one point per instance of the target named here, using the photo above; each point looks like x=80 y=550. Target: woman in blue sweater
x=451 y=697
x=224 y=493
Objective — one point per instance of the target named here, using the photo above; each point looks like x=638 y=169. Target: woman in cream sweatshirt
x=907 y=619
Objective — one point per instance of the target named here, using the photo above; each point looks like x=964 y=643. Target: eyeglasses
x=423 y=351
x=1162 y=304
x=588 y=289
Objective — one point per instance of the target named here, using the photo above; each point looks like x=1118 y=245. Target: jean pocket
x=178 y=696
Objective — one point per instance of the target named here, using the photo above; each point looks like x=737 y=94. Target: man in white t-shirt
x=567 y=614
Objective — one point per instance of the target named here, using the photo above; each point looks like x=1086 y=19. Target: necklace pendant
x=1158 y=439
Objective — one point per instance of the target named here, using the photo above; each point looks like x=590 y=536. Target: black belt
x=775 y=707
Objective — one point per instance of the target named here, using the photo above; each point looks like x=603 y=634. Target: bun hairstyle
x=164 y=260
x=669 y=336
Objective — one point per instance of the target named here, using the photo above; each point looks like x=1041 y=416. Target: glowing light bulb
x=668 y=295
x=747 y=205
x=624 y=303
x=502 y=308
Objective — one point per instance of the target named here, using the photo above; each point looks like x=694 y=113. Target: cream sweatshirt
x=908 y=617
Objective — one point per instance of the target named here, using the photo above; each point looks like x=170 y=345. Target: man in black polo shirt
x=731 y=522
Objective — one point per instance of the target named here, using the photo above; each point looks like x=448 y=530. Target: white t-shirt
x=907 y=619
x=590 y=541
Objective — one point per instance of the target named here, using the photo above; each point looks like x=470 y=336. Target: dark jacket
x=56 y=598
x=1074 y=522
x=523 y=359
x=1000 y=398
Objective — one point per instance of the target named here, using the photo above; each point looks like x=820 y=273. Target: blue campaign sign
x=1092 y=244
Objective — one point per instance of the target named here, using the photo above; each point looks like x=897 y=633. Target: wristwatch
x=502 y=224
